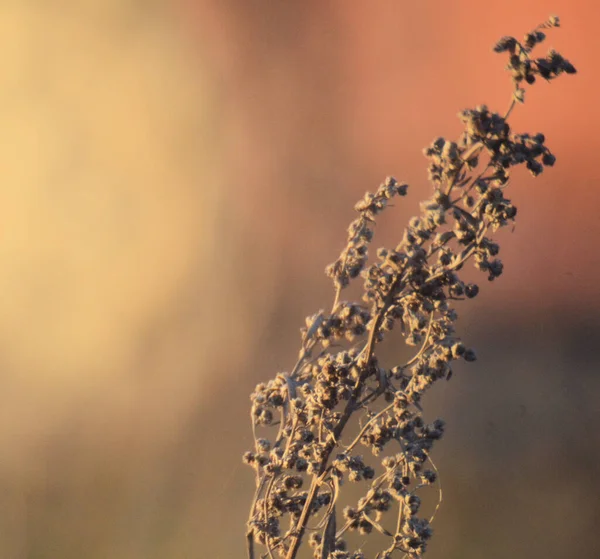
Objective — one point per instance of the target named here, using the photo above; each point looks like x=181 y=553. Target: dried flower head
x=411 y=287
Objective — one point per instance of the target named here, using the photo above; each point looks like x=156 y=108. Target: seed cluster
x=338 y=377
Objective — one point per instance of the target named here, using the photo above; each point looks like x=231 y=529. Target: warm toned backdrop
x=176 y=175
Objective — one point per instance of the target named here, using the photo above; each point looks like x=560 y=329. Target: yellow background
x=174 y=178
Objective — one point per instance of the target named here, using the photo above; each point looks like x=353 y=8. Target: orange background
x=175 y=177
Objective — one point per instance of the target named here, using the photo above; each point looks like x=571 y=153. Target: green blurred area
x=176 y=176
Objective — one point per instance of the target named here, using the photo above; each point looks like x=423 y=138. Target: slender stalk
x=413 y=284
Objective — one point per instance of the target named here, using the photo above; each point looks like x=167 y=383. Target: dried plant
x=338 y=384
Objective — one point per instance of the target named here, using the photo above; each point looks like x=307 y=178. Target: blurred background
x=175 y=177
